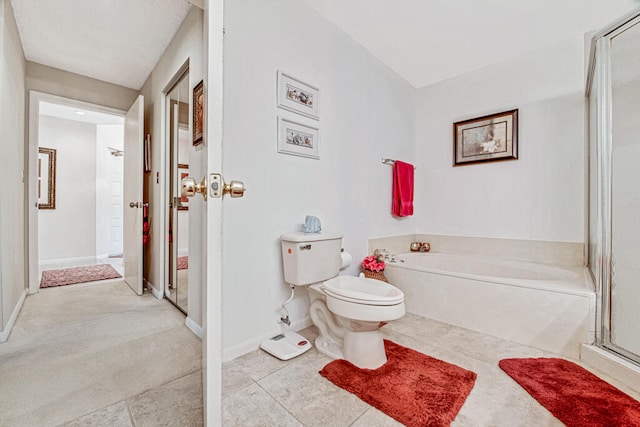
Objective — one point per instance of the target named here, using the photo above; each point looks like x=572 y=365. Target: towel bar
x=387 y=161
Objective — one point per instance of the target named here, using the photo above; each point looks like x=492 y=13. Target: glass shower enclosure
x=613 y=92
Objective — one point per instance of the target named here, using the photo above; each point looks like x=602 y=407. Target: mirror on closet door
x=178 y=109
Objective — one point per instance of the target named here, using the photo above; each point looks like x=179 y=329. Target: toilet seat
x=362 y=290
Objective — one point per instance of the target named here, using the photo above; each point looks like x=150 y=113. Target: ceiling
x=68 y=112
x=426 y=41
x=423 y=41
x=118 y=41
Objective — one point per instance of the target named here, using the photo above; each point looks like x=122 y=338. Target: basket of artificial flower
x=374 y=268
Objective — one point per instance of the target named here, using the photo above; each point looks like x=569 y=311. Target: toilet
x=348 y=311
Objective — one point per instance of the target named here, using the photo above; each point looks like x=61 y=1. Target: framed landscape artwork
x=485 y=139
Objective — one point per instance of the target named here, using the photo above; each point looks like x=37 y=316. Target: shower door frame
x=600 y=71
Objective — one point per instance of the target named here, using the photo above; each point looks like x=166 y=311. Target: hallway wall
x=12 y=207
x=53 y=81
x=69 y=230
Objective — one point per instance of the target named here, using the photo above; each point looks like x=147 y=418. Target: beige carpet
x=78 y=349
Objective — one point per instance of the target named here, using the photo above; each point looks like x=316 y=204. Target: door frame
x=31 y=213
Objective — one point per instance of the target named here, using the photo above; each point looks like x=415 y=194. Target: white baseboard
x=611 y=364
x=183 y=252
x=194 y=327
x=254 y=343
x=156 y=293
x=102 y=258
x=86 y=259
x=4 y=335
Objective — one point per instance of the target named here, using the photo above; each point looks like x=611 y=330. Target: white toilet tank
x=309 y=258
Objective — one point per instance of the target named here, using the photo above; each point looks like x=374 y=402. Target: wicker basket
x=378 y=275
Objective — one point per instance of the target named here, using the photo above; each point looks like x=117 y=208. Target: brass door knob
x=234 y=189
x=190 y=187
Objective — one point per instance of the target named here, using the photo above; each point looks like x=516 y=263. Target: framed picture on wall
x=298 y=139
x=46 y=178
x=484 y=139
x=297 y=96
x=183 y=172
x=147 y=153
x=198 y=113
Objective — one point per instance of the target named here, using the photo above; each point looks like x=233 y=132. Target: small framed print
x=297 y=96
x=198 y=113
x=485 y=139
x=298 y=139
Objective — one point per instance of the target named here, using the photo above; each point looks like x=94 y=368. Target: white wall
x=53 y=81
x=69 y=230
x=540 y=196
x=366 y=113
x=12 y=207
x=186 y=45
x=107 y=136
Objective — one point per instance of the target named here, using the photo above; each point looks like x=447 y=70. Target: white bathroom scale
x=286 y=345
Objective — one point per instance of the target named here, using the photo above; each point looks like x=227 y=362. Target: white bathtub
x=544 y=306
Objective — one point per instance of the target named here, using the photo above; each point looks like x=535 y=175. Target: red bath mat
x=572 y=394
x=413 y=388
x=71 y=276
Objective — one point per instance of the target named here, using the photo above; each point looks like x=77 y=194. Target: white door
x=115 y=216
x=212 y=293
x=133 y=164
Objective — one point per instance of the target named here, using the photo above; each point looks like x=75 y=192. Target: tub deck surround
x=546 y=306
x=538 y=251
x=563 y=279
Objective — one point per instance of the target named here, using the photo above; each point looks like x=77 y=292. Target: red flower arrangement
x=372 y=263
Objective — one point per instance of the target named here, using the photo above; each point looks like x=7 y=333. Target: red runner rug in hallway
x=572 y=394
x=183 y=262
x=71 y=276
x=413 y=388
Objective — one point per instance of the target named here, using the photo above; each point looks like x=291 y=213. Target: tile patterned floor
x=259 y=390
x=68 y=348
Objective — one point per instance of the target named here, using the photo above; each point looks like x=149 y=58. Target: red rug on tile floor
x=413 y=388
x=572 y=394
x=183 y=262
x=71 y=276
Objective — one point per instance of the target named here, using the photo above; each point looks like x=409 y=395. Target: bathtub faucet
x=385 y=255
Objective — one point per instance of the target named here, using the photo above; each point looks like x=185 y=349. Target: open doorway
x=78 y=177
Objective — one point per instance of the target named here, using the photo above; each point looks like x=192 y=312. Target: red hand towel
x=402 y=202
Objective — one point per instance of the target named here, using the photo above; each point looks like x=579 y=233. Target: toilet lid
x=363 y=291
